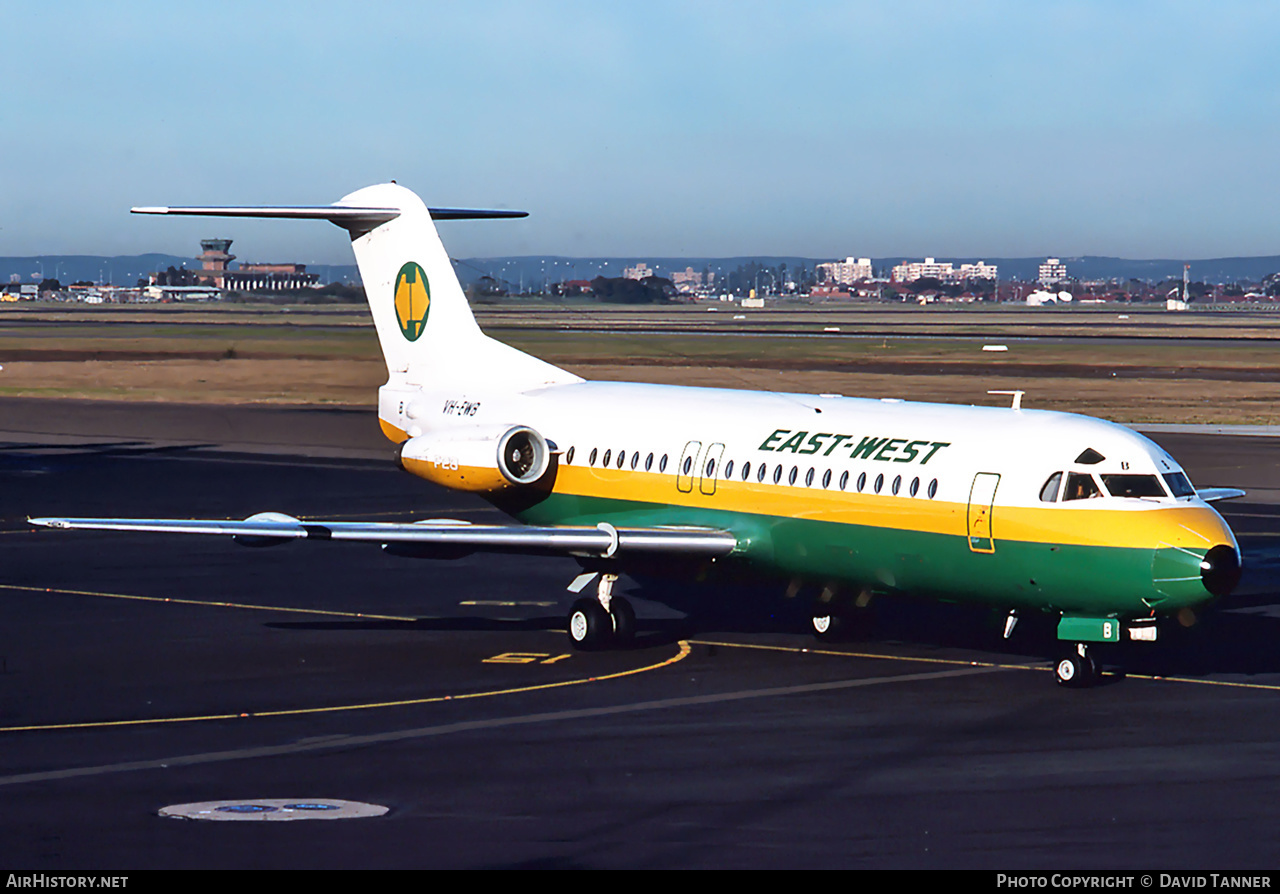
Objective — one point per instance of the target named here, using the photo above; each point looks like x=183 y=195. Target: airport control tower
x=215 y=259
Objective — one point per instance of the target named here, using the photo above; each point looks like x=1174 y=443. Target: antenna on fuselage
x=1017 y=398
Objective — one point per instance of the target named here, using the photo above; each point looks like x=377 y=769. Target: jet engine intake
x=479 y=458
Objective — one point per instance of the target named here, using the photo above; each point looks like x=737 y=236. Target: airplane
x=1018 y=509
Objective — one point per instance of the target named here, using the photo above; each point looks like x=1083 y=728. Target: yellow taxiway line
x=683 y=652
x=176 y=601
x=959 y=662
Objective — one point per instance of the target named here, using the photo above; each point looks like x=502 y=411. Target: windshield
x=1133 y=485
x=1179 y=486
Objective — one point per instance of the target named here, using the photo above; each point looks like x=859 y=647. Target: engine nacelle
x=478 y=458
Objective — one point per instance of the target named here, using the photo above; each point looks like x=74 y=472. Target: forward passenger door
x=982 y=502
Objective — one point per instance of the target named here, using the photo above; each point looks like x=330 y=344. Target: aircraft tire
x=828 y=625
x=1076 y=671
x=624 y=620
x=590 y=626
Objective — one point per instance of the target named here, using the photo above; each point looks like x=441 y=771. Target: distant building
x=270 y=278
x=1052 y=271
x=1040 y=297
x=947 y=272
x=690 y=280
x=639 y=271
x=214 y=260
x=180 y=293
x=980 y=270
x=572 y=287
x=845 y=272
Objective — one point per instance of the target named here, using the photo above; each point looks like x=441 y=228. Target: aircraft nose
x=1220 y=570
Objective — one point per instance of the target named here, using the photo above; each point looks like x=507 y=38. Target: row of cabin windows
x=761 y=472
x=621 y=460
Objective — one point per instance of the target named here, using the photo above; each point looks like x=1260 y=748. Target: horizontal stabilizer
x=348 y=217
x=443 y=534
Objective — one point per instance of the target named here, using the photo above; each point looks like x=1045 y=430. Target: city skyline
x=663 y=129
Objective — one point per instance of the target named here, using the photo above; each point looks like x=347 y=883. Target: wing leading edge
x=446 y=536
x=1214 y=494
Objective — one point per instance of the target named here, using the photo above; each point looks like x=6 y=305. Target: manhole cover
x=274 y=809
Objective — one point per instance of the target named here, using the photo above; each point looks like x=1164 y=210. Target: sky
x=985 y=129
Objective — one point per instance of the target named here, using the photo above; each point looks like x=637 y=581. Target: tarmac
x=141 y=672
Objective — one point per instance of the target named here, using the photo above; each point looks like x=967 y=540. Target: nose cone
x=1198 y=560
x=1220 y=570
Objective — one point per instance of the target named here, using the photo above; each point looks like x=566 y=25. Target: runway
x=138 y=672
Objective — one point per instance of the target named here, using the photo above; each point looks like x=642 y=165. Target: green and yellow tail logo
x=413 y=300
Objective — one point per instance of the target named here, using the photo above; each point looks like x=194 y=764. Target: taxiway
x=138 y=672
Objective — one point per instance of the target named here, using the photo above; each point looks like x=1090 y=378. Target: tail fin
x=424 y=324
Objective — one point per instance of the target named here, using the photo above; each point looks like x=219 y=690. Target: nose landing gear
x=1077 y=669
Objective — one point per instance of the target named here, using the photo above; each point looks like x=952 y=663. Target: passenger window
x=915 y=486
x=933 y=488
x=688 y=464
x=591 y=460
x=844 y=480
x=728 y=470
x=879 y=483
x=622 y=457
x=648 y=462
x=897 y=484
x=862 y=481
x=764 y=468
x=777 y=474
x=662 y=466
x=635 y=459
x=746 y=471
x=826 y=479
x=1081 y=487
x=791 y=479
x=711 y=468
x=607 y=454
x=808 y=478
x=568 y=457
x=1049 y=491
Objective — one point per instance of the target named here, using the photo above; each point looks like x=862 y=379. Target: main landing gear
x=603 y=621
x=1077 y=669
x=836 y=618
x=831 y=623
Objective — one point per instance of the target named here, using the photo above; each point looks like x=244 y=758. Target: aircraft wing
x=1213 y=494
x=441 y=537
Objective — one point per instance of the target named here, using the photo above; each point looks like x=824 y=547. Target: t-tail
x=428 y=334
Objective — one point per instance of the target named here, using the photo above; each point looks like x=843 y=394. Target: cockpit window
x=1090 y=457
x=1049 y=493
x=1080 y=487
x=1179 y=486
x=1133 y=485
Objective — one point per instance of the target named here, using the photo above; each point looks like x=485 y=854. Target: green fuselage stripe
x=1095 y=580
